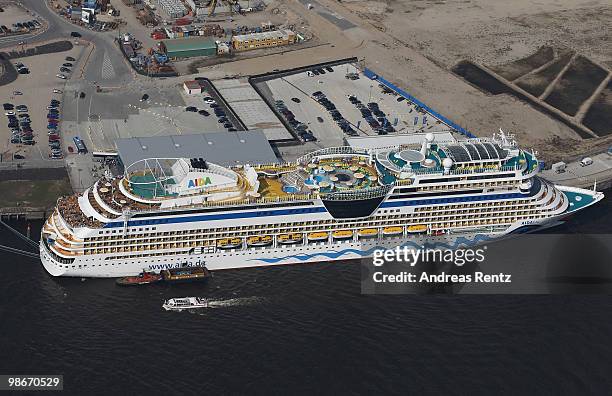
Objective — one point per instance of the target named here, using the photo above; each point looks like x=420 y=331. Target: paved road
x=106 y=66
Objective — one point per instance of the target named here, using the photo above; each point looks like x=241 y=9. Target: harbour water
x=301 y=329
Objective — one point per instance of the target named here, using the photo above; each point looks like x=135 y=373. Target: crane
x=213 y=4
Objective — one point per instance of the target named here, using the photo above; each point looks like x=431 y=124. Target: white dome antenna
x=447 y=163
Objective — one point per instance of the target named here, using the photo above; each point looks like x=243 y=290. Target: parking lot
x=252 y=109
x=156 y=108
x=356 y=106
x=15 y=20
x=25 y=135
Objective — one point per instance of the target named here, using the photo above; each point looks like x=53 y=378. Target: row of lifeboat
x=317 y=236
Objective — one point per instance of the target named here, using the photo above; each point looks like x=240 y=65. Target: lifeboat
x=393 y=230
x=289 y=239
x=367 y=233
x=318 y=236
x=229 y=243
x=417 y=228
x=259 y=240
x=342 y=234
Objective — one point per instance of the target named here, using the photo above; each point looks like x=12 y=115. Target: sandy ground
x=493 y=32
x=387 y=41
x=37 y=88
x=13 y=14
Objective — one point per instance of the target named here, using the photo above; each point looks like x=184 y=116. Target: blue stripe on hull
x=301 y=211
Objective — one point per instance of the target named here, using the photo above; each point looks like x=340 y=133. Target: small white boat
x=179 y=304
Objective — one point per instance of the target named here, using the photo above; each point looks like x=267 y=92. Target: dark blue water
x=302 y=330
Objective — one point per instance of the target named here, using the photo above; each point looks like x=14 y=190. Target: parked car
x=8 y=106
x=204 y=113
x=319 y=119
x=75 y=34
x=63 y=77
x=65 y=70
x=17 y=93
x=70 y=59
x=192 y=109
x=144 y=98
x=296 y=100
x=57 y=91
x=308 y=137
x=9 y=113
x=67 y=64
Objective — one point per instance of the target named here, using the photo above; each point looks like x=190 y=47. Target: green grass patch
x=33 y=193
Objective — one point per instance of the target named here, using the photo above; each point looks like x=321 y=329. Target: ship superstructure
x=335 y=203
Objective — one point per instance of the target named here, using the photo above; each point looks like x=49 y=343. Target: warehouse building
x=222 y=148
x=251 y=41
x=189 y=47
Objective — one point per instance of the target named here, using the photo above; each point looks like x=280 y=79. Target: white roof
x=388 y=141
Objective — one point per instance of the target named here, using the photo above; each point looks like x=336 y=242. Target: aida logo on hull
x=202 y=181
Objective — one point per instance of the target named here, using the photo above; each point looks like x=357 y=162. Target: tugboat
x=185 y=274
x=144 y=278
x=179 y=304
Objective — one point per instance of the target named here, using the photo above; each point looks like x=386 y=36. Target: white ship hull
x=264 y=257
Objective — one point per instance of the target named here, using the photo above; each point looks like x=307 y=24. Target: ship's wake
x=233 y=302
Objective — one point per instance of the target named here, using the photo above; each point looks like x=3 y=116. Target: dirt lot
x=491 y=32
x=415 y=43
x=13 y=14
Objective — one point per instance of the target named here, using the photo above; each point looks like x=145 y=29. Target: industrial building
x=222 y=148
x=251 y=41
x=174 y=8
x=209 y=7
x=189 y=47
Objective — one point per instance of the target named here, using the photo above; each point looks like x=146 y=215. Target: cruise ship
x=335 y=203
